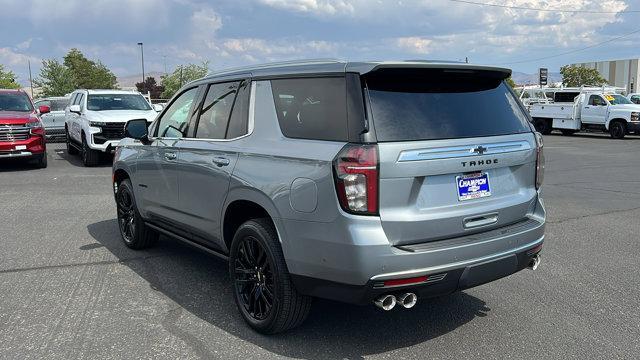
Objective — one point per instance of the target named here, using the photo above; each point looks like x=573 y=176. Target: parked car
x=54 y=120
x=367 y=183
x=95 y=119
x=592 y=111
x=634 y=98
x=22 y=134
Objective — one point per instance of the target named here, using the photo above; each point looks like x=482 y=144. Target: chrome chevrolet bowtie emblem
x=480 y=150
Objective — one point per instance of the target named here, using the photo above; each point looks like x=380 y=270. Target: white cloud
x=10 y=57
x=319 y=7
x=414 y=44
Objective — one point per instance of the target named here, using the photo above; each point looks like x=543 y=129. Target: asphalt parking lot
x=70 y=289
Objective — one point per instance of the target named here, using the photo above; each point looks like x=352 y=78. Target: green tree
x=8 y=79
x=511 y=82
x=55 y=79
x=574 y=76
x=75 y=72
x=182 y=75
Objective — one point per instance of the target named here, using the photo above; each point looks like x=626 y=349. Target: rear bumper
x=439 y=284
x=350 y=260
x=55 y=133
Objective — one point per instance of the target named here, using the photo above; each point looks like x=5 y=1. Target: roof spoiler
x=499 y=72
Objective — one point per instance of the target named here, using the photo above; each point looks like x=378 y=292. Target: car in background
x=53 y=121
x=22 y=134
x=95 y=120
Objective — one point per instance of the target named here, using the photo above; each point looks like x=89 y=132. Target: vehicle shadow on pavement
x=106 y=160
x=7 y=165
x=199 y=284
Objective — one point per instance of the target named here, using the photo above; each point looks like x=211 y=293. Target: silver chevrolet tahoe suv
x=362 y=182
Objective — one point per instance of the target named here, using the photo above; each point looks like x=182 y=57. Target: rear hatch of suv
x=457 y=154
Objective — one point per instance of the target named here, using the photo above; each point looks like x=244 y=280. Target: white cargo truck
x=590 y=110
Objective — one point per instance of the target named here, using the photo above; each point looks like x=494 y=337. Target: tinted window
x=215 y=112
x=175 y=119
x=43 y=103
x=239 y=122
x=80 y=101
x=635 y=99
x=59 y=104
x=15 y=102
x=428 y=105
x=104 y=102
x=312 y=108
x=596 y=100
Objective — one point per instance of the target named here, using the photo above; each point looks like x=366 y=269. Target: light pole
x=144 y=84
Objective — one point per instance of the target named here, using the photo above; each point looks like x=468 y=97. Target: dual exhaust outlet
x=388 y=301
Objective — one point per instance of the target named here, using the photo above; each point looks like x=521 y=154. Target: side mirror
x=158 y=107
x=137 y=129
x=75 y=109
x=44 y=109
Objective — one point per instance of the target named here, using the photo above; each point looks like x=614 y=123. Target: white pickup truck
x=592 y=110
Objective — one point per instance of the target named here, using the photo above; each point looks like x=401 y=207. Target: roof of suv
x=109 y=91
x=330 y=66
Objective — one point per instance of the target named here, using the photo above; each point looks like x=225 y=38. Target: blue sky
x=231 y=33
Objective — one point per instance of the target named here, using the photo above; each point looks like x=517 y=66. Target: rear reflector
x=407 y=281
x=535 y=250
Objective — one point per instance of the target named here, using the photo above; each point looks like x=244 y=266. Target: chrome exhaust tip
x=408 y=300
x=534 y=262
x=386 y=302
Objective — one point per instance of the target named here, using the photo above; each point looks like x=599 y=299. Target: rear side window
x=215 y=112
x=239 y=122
x=312 y=108
x=434 y=104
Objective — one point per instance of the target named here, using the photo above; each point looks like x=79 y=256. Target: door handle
x=170 y=156
x=220 y=161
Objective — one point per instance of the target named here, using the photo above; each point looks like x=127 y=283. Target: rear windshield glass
x=441 y=104
x=117 y=102
x=15 y=102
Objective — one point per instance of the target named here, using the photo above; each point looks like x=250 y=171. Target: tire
x=89 y=157
x=41 y=161
x=543 y=126
x=254 y=245
x=617 y=129
x=566 y=132
x=135 y=234
x=71 y=150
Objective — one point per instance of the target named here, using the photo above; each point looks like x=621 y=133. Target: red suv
x=21 y=131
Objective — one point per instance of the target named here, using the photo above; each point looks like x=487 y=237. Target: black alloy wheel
x=126 y=215
x=254 y=279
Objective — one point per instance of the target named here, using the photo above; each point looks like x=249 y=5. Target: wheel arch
x=615 y=119
x=244 y=204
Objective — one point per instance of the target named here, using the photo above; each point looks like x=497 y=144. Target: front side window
x=104 y=102
x=175 y=119
x=59 y=104
x=635 y=99
x=596 y=100
x=312 y=108
x=214 y=115
x=18 y=102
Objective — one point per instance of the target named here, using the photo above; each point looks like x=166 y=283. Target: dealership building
x=619 y=73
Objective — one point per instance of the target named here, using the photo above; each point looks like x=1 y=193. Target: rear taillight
x=356 y=176
x=539 y=161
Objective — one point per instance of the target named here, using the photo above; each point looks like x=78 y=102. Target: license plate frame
x=473 y=186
